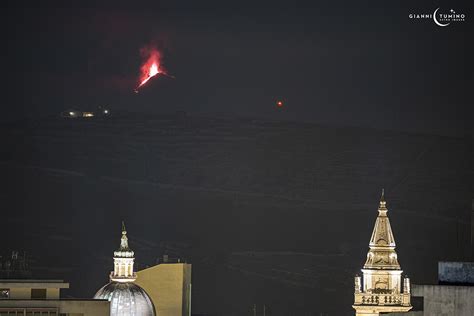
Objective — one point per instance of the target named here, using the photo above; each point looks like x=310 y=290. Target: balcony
x=400 y=299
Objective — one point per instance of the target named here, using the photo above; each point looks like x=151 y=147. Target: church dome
x=126 y=299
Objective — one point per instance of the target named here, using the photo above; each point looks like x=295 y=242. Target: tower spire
x=124 y=239
x=383 y=203
x=379 y=290
x=382 y=242
x=123 y=261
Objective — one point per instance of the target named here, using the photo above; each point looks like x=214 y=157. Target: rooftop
x=456 y=273
x=34 y=283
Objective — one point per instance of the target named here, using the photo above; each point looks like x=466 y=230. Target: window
x=4 y=293
x=29 y=311
x=11 y=311
x=38 y=293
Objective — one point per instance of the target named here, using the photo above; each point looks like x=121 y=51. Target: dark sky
x=342 y=63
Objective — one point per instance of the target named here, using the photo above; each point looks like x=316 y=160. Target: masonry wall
x=444 y=300
x=73 y=307
x=168 y=285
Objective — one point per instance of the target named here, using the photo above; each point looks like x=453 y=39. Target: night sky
x=272 y=205
x=341 y=63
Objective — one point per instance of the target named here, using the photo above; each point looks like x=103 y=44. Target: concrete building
x=454 y=295
x=169 y=286
x=445 y=300
x=380 y=290
x=42 y=298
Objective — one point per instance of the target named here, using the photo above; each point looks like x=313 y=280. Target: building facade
x=42 y=298
x=380 y=288
x=453 y=295
x=169 y=286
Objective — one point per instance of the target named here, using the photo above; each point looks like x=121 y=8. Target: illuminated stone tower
x=380 y=290
x=126 y=298
x=123 y=261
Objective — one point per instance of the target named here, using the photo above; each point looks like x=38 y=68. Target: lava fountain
x=151 y=67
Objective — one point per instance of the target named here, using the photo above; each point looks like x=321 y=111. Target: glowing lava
x=153 y=71
x=151 y=67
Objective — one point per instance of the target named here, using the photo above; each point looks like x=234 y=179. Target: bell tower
x=123 y=261
x=380 y=288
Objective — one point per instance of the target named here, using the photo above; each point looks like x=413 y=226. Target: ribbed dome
x=126 y=299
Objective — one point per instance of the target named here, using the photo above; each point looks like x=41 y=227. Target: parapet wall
x=456 y=272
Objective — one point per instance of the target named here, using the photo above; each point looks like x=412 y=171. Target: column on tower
x=123 y=261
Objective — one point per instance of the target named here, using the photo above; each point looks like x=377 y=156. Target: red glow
x=279 y=104
x=151 y=67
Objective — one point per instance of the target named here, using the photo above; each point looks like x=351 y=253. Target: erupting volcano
x=151 y=66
